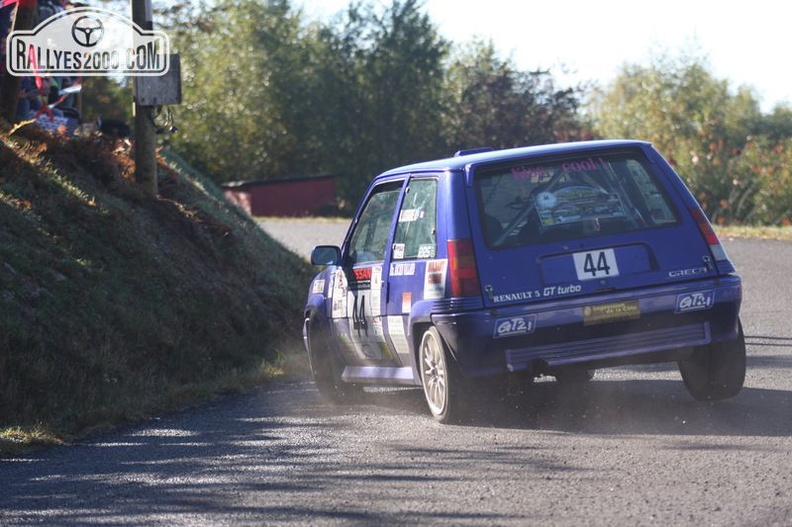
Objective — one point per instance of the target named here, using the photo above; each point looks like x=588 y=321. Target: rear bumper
x=658 y=324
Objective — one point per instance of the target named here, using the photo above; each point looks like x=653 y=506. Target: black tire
x=442 y=381
x=325 y=371
x=717 y=371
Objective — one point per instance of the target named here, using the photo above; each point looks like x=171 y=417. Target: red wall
x=298 y=197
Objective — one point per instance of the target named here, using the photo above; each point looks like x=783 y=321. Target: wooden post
x=9 y=90
x=145 y=130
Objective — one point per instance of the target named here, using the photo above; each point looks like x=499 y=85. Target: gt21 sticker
x=694 y=301
x=507 y=327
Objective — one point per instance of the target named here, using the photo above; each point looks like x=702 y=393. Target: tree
x=240 y=75
x=777 y=126
x=766 y=168
x=106 y=98
x=492 y=103
x=269 y=96
x=692 y=118
x=383 y=75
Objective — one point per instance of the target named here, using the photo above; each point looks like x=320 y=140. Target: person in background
x=5 y=28
x=29 y=99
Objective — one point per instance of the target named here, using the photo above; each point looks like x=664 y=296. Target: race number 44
x=596 y=264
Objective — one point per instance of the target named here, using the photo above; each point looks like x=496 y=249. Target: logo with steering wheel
x=87 y=31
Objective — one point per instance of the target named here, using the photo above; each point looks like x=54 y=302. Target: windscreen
x=564 y=199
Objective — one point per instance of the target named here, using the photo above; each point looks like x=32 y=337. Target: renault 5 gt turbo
x=492 y=268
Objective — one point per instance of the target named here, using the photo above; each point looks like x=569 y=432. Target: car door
x=414 y=273
x=357 y=294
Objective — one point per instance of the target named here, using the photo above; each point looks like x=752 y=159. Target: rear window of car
x=563 y=199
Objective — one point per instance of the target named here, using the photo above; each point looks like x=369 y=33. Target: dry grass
x=764 y=233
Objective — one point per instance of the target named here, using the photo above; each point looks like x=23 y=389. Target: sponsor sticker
x=398 y=336
x=613 y=312
x=410 y=215
x=694 y=301
x=361 y=278
x=317 y=287
x=339 y=295
x=398 y=251
x=426 y=250
x=376 y=292
x=406 y=302
x=402 y=269
x=435 y=278
x=507 y=327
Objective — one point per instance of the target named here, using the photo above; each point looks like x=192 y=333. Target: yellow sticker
x=614 y=312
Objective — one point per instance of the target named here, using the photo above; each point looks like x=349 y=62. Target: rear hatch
x=602 y=221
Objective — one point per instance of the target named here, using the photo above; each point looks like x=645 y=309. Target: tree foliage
x=104 y=98
x=382 y=71
x=240 y=77
x=763 y=172
x=718 y=140
x=495 y=104
x=268 y=95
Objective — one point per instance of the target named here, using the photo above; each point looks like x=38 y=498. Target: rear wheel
x=325 y=372
x=717 y=371
x=440 y=377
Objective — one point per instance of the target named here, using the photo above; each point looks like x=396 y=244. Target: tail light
x=463 y=274
x=709 y=235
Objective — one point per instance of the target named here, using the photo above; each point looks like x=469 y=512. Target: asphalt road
x=637 y=450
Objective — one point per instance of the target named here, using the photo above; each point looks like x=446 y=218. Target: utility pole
x=9 y=91
x=145 y=130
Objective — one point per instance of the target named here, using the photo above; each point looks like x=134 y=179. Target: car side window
x=416 y=231
x=370 y=237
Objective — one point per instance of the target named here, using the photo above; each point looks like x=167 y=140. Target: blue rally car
x=493 y=268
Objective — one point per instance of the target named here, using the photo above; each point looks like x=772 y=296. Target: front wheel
x=324 y=370
x=440 y=377
x=717 y=371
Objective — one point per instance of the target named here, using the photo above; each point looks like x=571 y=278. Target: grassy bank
x=115 y=304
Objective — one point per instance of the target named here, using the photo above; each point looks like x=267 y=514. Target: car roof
x=463 y=161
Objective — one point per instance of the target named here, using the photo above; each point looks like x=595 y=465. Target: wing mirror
x=326 y=255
